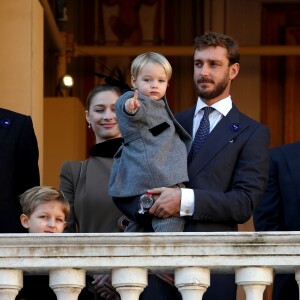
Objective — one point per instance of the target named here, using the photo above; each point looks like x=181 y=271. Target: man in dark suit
x=228 y=174
x=18 y=166
x=280 y=206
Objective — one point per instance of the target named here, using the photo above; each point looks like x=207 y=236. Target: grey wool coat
x=154 y=150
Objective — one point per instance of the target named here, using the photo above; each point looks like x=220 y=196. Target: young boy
x=44 y=211
x=155 y=146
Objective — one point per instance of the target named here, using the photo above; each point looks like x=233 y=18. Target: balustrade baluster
x=297 y=277
x=192 y=282
x=11 y=282
x=129 y=282
x=254 y=281
x=67 y=283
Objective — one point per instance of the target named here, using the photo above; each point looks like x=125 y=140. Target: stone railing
x=253 y=257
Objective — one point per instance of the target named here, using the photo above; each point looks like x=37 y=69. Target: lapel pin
x=5 y=123
x=235 y=127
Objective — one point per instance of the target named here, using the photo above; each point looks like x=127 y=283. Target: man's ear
x=24 y=220
x=234 y=70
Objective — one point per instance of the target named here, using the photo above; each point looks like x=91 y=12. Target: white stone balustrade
x=192 y=257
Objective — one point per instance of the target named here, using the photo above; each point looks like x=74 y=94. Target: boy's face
x=48 y=217
x=151 y=81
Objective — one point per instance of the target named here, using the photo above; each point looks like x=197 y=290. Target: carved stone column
x=254 y=281
x=67 y=283
x=192 y=282
x=129 y=282
x=11 y=282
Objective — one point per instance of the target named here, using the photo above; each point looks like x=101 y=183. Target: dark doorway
x=280 y=75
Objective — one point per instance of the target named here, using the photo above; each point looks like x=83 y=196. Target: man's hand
x=102 y=284
x=132 y=104
x=168 y=202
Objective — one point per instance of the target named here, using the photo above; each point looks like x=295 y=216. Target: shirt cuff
x=187 y=205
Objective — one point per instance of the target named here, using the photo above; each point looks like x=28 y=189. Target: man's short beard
x=217 y=91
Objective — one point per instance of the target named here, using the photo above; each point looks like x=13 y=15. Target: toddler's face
x=151 y=81
x=48 y=217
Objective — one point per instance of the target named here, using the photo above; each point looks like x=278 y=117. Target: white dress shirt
x=222 y=108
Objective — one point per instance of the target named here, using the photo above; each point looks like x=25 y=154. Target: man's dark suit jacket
x=18 y=166
x=228 y=176
x=280 y=207
x=229 y=173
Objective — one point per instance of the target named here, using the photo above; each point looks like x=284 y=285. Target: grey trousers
x=172 y=224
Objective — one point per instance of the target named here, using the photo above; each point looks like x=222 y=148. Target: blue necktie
x=202 y=132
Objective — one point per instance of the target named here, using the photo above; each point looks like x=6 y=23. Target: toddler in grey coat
x=155 y=146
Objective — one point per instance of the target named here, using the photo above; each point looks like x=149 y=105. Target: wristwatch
x=146 y=202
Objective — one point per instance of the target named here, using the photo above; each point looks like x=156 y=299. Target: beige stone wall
x=65 y=135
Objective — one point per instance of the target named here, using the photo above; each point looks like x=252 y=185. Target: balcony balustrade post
x=192 y=282
x=297 y=277
x=67 y=282
x=11 y=282
x=129 y=282
x=254 y=281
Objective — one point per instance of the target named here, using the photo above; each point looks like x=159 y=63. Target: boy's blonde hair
x=139 y=62
x=41 y=194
